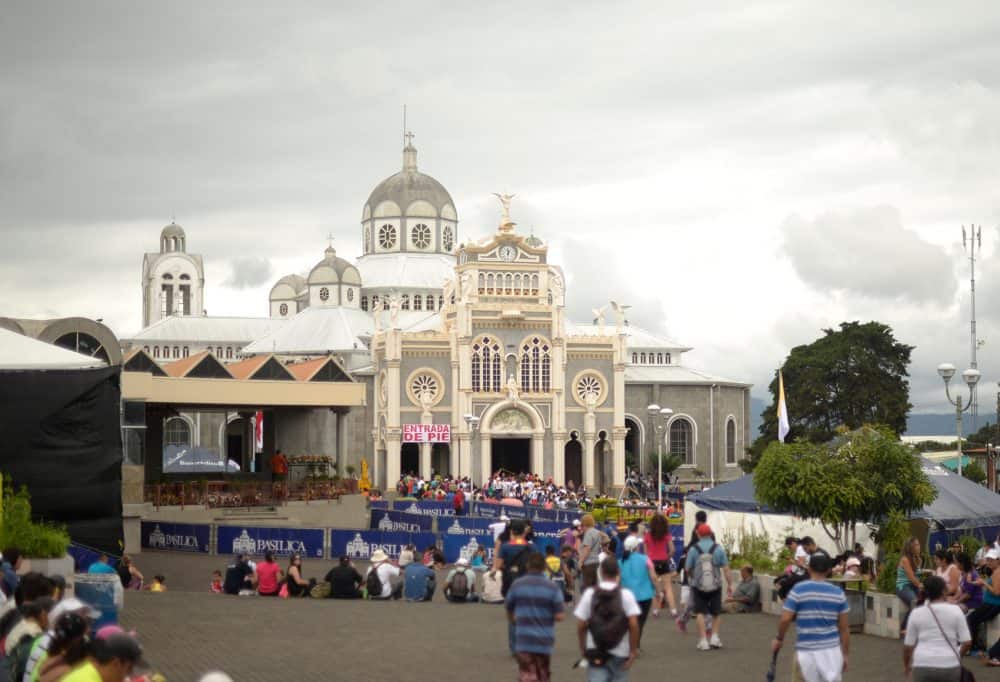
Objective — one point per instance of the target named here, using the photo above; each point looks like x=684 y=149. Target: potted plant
x=44 y=545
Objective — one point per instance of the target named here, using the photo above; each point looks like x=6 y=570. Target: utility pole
x=972 y=242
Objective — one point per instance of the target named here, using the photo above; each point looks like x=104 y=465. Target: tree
x=987 y=434
x=671 y=462
x=848 y=377
x=861 y=476
x=975 y=472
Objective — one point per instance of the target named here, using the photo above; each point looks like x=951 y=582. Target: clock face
x=507 y=253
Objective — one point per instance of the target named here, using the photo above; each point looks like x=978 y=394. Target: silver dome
x=407 y=186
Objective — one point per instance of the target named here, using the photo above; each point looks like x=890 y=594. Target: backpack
x=459 y=585
x=373 y=583
x=607 y=623
x=516 y=568
x=705 y=576
x=321 y=590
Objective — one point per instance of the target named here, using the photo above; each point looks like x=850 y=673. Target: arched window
x=482 y=284
x=635 y=358
x=156 y=351
x=731 y=441
x=682 y=440
x=218 y=351
x=229 y=352
x=418 y=302
x=185 y=351
x=145 y=349
x=440 y=302
x=185 y=277
x=659 y=358
x=374 y=304
x=177 y=352
x=642 y=358
x=364 y=303
x=486 y=372
x=404 y=302
x=536 y=366
x=666 y=357
x=177 y=432
x=429 y=304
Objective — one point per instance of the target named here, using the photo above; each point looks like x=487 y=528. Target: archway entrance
x=511 y=454
x=633 y=453
x=234 y=442
x=573 y=454
x=409 y=459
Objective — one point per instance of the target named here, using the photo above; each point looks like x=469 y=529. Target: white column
x=538 y=454
x=392 y=458
x=458 y=443
x=589 y=472
x=559 y=458
x=483 y=458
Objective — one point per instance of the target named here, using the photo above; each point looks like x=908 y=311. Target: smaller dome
x=287 y=288
x=172 y=230
x=333 y=269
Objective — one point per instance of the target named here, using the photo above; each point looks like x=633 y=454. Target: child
x=479 y=559
x=158 y=584
x=216 y=586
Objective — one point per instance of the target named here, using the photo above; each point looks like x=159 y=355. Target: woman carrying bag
x=930 y=653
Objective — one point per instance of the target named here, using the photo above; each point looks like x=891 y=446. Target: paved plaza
x=187 y=631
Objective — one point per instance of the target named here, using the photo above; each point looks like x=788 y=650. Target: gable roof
x=138 y=360
x=260 y=367
x=202 y=365
x=319 y=369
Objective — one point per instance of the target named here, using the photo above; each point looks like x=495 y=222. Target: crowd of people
x=528 y=488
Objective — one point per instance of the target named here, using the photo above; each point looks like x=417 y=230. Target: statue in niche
x=513 y=394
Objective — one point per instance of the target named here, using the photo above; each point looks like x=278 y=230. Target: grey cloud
x=868 y=252
x=247 y=273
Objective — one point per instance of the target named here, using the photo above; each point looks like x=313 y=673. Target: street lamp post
x=473 y=423
x=971 y=376
x=659 y=416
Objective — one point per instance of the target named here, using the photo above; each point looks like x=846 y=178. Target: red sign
x=426 y=433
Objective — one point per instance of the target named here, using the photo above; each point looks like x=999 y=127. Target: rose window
x=421 y=236
x=387 y=236
x=588 y=386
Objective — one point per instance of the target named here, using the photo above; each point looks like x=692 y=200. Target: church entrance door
x=511 y=454
x=573 y=452
x=409 y=459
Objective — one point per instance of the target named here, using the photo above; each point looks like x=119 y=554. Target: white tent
x=19 y=352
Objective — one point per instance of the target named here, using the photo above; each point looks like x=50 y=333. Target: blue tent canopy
x=960 y=503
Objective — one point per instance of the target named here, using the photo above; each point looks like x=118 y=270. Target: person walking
x=509 y=561
x=936 y=638
x=659 y=546
x=590 y=550
x=534 y=604
x=706 y=568
x=820 y=611
x=608 y=626
x=639 y=577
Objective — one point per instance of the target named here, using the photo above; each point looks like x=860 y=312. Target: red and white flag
x=258 y=432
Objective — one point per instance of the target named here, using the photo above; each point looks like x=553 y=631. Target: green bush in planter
x=39 y=540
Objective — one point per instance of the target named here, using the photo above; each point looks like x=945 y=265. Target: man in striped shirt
x=534 y=604
x=820 y=611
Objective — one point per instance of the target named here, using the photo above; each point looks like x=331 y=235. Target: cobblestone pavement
x=187 y=631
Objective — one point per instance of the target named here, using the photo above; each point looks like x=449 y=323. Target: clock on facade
x=507 y=253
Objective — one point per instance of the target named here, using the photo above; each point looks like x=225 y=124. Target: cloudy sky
x=744 y=176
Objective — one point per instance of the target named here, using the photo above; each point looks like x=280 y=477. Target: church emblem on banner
x=358 y=548
x=244 y=544
x=157 y=538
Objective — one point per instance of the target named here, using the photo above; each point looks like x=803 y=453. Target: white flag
x=783 y=427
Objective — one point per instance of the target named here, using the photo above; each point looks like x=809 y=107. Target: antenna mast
x=972 y=242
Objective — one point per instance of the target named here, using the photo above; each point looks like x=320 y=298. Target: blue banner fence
x=384 y=519
x=280 y=541
x=361 y=544
x=178 y=537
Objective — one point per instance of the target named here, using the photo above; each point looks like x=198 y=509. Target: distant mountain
x=941 y=424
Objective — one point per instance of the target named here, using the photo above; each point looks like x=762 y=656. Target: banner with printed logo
x=487 y=509
x=466 y=546
x=379 y=504
x=400 y=522
x=175 y=537
x=281 y=541
x=464 y=525
x=428 y=507
x=360 y=544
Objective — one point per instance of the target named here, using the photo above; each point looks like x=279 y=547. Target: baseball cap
x=119 y=645
x=576 y=523
x=632 y=542
x=72 y=605
x=462 y=562
x=703 y=530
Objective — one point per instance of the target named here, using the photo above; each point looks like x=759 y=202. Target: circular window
x=350 y=295
x=425 y=385
x=420 y=235
x=387 y=236
x=283 y=309
x=324 y=294
x=589 y=389
x=447 y=238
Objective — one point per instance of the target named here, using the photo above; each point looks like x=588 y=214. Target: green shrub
x=885 y=581
x=970 y=544
x=751 y=547
x=34 y=539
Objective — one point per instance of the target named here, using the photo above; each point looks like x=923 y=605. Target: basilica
x=468 y=361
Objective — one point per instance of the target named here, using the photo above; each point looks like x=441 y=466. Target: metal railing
x=237 y=494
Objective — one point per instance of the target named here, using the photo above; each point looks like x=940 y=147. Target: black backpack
x=786 y=582
x=607 y=623
x=459 y=585
x=516 y=568
x=373 y=583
